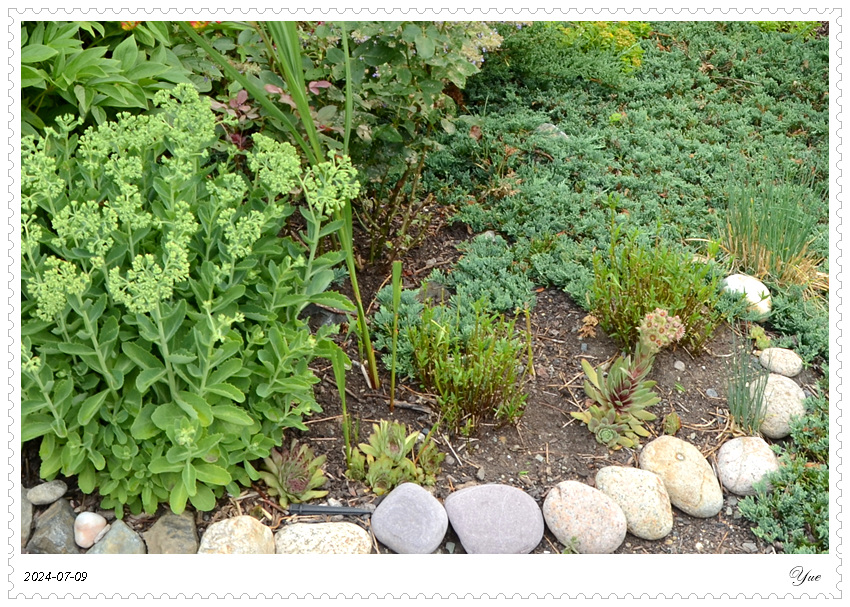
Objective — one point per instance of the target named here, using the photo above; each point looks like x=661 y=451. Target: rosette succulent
x=294 y=474
x=388 y=459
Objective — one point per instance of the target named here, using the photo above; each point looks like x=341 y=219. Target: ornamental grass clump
x=637 y=278
x=622 y=395
x=162 y=350
x=770 y=231
x=473 y=362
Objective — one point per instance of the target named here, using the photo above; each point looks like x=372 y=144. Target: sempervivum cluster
x=659 y=329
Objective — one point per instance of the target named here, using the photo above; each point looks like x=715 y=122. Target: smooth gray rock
x=323 y=538
x=238 y=535
x=410 y=520
x=642 y=496
x=54 y=531
x=688 y=477
x=742 y=462
x=495 y=519
x=47 y=493
x=173 y=534
x=584 y=518
x=120 y=539
x=26 y=517
x=782 y=361
x=782 y=401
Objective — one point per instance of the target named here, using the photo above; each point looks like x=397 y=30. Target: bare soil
x=546 y=447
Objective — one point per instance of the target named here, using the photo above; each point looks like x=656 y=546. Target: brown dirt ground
x=546 y=447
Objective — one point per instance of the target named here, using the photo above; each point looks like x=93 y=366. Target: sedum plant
x=388 y=459
x=622 y=395
x=294 y=474
x=162 y=351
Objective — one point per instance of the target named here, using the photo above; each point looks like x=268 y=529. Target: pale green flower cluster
x=275 y=164
x=52 y=288
x=241 y=236
x=330 y=185
x=87 y=225
x=190 y=128
x=230 y=192
x=39 y=179
x=147 y=283
x=29 y=363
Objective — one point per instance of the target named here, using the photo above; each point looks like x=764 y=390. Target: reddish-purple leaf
x=316 y=85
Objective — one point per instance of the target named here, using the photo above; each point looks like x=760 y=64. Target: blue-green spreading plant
x=161 y=347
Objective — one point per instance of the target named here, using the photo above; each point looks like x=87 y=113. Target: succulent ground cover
x=534 y=182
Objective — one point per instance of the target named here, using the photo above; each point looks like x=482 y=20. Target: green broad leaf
x=375 y=54
x=178 y=497
x=331 y=228
x=256 y=313
x=34 y=78
x=178 y=358
x=190 y=479
x=204 y=499
x=108 y=331
x=639 y=430
x=145 y=70
x=86 y=479
x=333 y=300
x=97 y=460
x=161 y=465
x=127 y=53
x=145 y=379
x=35 y=53
x=91 y=406
x=225 y=370
x=158 y=30
x=178 y=454
x=228 y=390
x=76 y=349
x=228 y=297
x=35 y=427
x=195 y=406
x=388 y=133
x=62 y=393
x=147 y=330
x=431 y=87
x=143 y=426
x=173 y=319
x=212 y=474
x=167 y=416
x=425 y=46
x=232 y=415
x=141 y=356
x=99 y=116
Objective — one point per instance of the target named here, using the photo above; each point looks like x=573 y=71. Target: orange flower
x=129 y=25
x=199 y=25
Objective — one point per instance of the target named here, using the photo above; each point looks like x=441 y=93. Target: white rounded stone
x=88 y=528
x=742 y=462
x=754 y=291
x=323 y=538
x=642 y=497
x=782 y=361
x=781 y=402
x=584 y=518
x=688 y=477
x=237 y=535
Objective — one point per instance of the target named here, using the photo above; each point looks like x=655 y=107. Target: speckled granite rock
x=643 y=498
x=584 y=518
